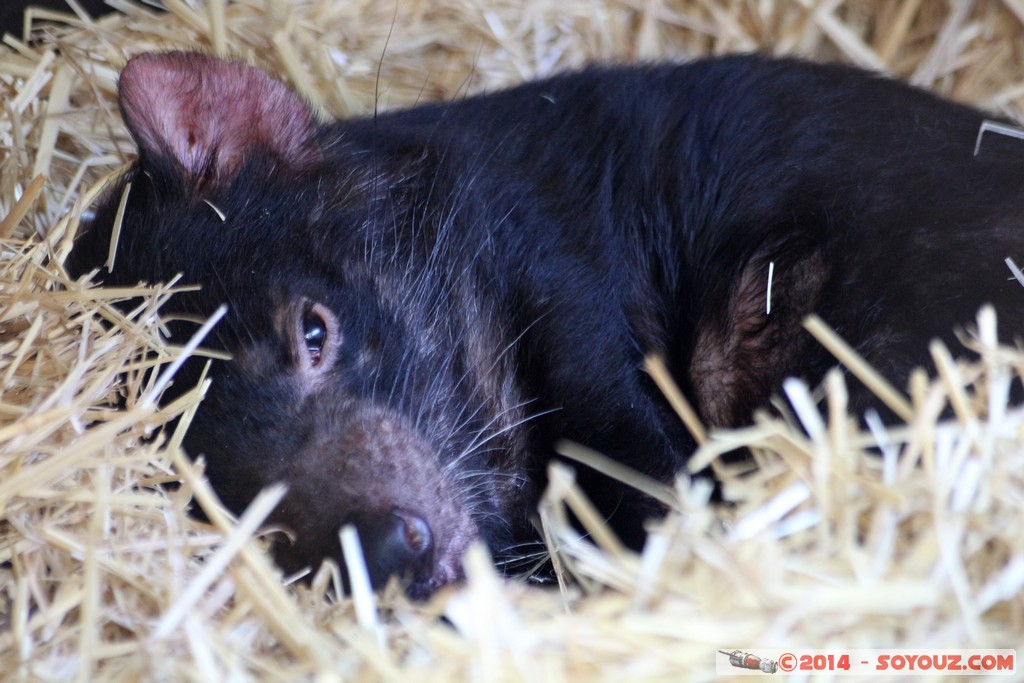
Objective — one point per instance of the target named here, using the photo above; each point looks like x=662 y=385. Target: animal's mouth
x=443 y=574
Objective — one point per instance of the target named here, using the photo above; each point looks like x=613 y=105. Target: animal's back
x=657 y=196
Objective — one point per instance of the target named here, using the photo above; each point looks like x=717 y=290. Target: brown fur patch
x=736 y=363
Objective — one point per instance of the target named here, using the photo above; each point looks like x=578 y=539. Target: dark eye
x=314 y=333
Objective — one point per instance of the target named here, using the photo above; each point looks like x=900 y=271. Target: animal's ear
x=207 y=116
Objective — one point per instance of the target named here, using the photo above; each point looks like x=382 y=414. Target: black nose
x=396 y=543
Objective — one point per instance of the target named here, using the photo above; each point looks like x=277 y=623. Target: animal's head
x=358 y=375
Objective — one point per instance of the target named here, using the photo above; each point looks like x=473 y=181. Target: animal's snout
x=394 y=543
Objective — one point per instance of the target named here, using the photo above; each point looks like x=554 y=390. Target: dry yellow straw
x=105 y=574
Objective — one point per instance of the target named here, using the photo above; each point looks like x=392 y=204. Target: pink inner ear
x=209 y=114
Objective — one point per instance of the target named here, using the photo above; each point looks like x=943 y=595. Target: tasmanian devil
x=421 y=303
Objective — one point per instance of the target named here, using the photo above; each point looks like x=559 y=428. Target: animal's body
x=422 y=302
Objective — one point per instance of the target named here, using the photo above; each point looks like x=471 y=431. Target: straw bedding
x=105 y=576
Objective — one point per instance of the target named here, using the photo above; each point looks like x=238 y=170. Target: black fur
x=517 y=254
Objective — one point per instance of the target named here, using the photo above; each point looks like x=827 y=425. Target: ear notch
x=208 y=115
x=741 y=352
